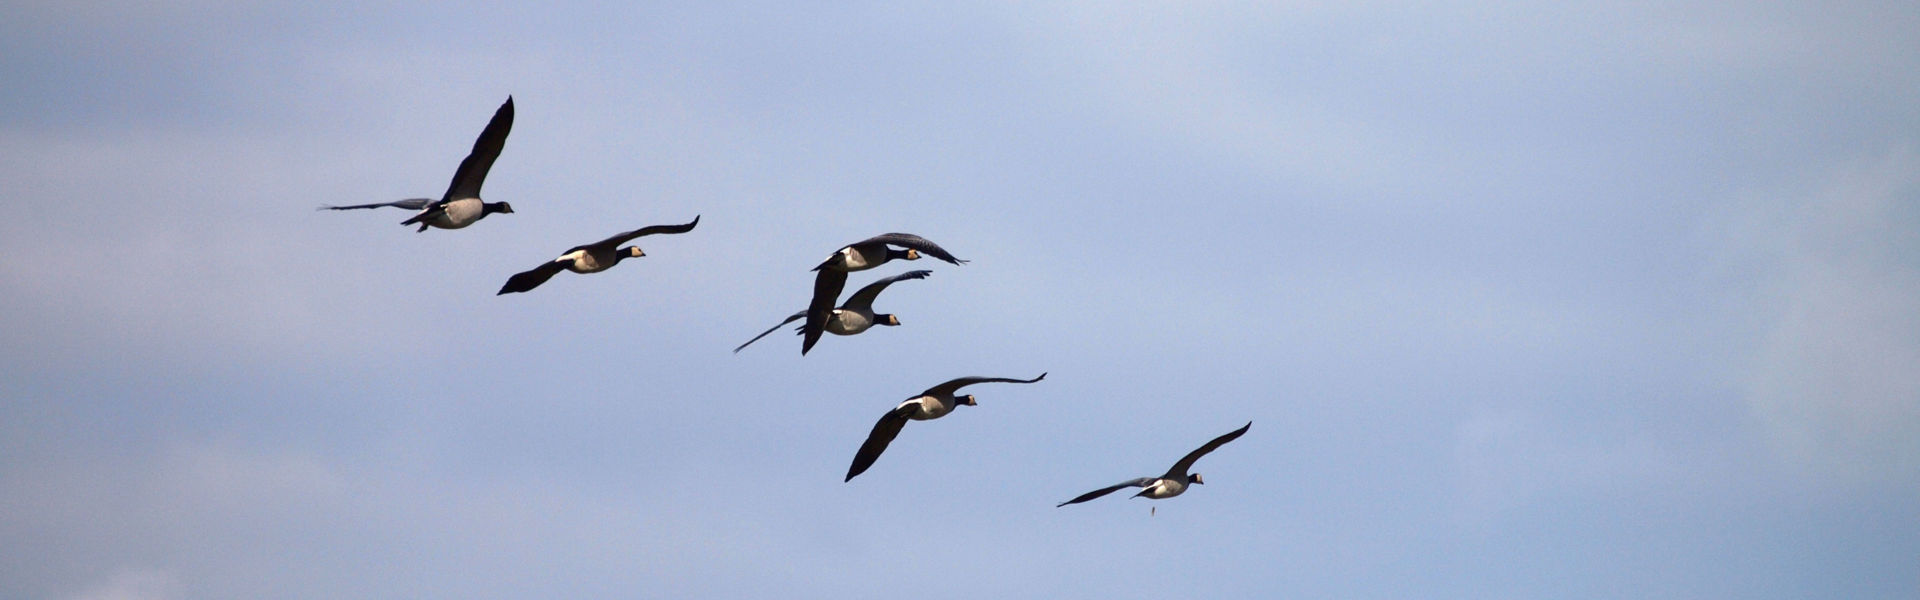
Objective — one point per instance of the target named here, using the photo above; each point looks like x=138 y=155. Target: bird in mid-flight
x=461 y=205
x=1172 y=483
x=590 y=258
x=934 y=403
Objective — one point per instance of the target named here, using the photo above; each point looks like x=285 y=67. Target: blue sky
x=1592 y=301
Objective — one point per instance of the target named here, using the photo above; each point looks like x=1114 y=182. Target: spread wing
x=1179 y=470
x=650 y=230
x=827 y=284
x=883 y=433
x=863 y=299
x=908 y=240
x=1141 y=482
x=532 y=278
x=795 y=317
x=409 y=204
x=949 y=388
x=473 y=170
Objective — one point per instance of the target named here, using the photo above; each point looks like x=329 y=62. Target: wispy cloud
x=1836 y=373
x=134 y=584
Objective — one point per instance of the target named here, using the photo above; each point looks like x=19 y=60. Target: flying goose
x=591 y=258
x=1170 y=484
x=859 y=256
x=461 y=205
x=875 y=251
x=856 y=315
x=934 y=403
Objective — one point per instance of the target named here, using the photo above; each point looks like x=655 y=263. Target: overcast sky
x=1592 y=301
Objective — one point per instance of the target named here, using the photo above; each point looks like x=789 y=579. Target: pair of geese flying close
x=941 y=400
x=831 y=276
x=853 y=317
x=461 y=206
x=856 y=315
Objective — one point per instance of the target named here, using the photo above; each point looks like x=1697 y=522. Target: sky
x=1589 y=300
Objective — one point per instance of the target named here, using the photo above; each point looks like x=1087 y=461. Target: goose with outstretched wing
x=461 y=205
x=1174 y=481
x=938 y=401
x=590 y=258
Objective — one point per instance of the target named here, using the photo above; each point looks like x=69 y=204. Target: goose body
x=1175 y=481
x=851 y=322
x=927 y=408
x=937 y=401
x=591 y=260
x=1164 y=487
x=454 y=214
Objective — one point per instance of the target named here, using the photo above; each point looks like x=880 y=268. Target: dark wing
x=827 y=284
x=532 y=278
x=1179 y=470
x=908 y=240
x=795 y=317
x=947 y=389
x=863 y=299
x=409 y=204
x=1141 y=482
x=473 y=170
x=877 y=440
x=628 y=236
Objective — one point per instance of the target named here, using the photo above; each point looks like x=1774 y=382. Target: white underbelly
x=929 y=408
x=846 y=322
x=458 y=214
x=1165 y=488
x=587 y=262
x=857 y=260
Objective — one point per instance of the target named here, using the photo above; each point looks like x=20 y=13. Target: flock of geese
x=461 y=206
